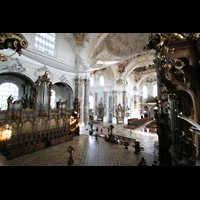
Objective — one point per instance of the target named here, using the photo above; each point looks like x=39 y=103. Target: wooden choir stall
x=31 y=124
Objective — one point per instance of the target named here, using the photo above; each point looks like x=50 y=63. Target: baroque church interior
x=88 y=99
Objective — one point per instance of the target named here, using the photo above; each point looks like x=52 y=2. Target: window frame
x=39 y=48
x=101 y=77
x=90 y=102
x=146 y=96
x=155 y=91
x=6 y=93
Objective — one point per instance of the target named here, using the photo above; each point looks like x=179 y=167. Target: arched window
x=101 y=80
x=145 y=95
x=45 y=42
x=53 y=99
x=91 y=102
x=155 y=90
x=7 y=89
x=92 y=81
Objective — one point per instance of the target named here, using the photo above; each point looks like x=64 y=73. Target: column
x=114 y=120
x=114 y=103
x=86 y=101
x=105 y=107
x=96 y=103
x=79 y=95
x=140 y=105
x=124 y=101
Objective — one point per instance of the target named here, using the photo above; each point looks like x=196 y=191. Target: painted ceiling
x=86 y=52
x=117 y=47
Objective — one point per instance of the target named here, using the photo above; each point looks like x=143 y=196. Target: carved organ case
x=43 y=90
x=177 y=65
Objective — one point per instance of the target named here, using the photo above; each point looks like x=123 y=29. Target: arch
x=63 y=95
x=134 y=64
x=23 y=75
x=144 y=77
x=67 y=83
x=18 y=75
x=7 y=89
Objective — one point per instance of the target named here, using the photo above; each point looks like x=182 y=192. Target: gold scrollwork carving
x=173 y=97
x=53 y=123
x=14 y=127
x=41 y=125
x=27 y=127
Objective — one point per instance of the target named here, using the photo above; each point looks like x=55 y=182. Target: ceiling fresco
x=116 y=47
x=86 y=52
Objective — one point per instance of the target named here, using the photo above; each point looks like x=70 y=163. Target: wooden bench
x=26 y=143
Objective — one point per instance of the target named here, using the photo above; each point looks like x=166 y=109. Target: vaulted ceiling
x=85 y=52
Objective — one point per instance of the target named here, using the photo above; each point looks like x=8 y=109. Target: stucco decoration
x=118 y=47
x=40 y=71
x=14 y=65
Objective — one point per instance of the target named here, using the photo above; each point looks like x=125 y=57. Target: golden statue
x=170 y=36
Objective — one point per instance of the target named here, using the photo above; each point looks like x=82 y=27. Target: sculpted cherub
x=170 y=36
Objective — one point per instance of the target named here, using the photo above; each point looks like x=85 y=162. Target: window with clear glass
x=145 y=95
x=101 y=80
x=91 y=102
x=53 y=98
x=7 y=89
x=45 y=42
x=92 y=81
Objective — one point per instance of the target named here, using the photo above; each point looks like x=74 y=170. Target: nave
x=91 y=152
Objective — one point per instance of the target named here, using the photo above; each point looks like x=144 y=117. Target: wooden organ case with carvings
x=34 y=124
x=177 y=66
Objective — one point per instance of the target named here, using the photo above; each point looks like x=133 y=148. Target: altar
x=120 y=114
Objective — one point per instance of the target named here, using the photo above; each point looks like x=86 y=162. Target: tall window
x=101 y=80
x=91 y=102
x=145 y=95
x=155 y=90
x=7 y=89
x=45 y=42
x=92 y=81
x=53 y=98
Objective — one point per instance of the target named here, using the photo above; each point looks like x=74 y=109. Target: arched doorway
x=25 y=86
x=64 y=92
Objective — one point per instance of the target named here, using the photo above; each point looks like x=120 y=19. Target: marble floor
x=91 y=152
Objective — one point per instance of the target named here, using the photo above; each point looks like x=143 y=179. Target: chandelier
x=15 y=41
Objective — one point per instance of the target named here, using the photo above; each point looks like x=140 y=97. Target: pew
x=135 y=122
x=26 y=143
